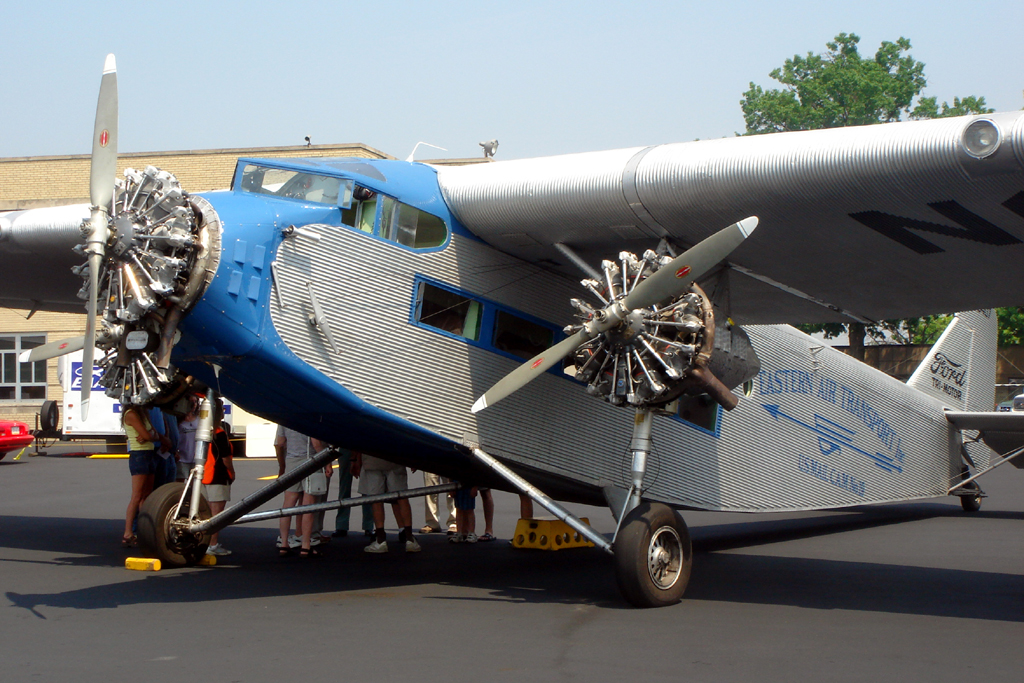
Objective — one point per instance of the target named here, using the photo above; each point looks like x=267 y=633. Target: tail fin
x=960 y=370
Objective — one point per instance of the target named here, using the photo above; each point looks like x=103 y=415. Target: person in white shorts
x=380 y=476
x=292 y=449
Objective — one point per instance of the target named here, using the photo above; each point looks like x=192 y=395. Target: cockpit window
x=411 y=227
x=310 y=187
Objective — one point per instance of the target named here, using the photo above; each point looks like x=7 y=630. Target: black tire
x=653 y=556
x=158 y=538
x=971 y=503
x=49 y=416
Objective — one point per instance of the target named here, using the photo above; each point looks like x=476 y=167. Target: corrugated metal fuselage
x=817 y=430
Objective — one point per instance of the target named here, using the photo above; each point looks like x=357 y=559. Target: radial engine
x=661 y=352
x=161 y=254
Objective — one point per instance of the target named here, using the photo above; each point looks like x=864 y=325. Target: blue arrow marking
x=835 y=437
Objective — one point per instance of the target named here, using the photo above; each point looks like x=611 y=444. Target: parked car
x=14 y=436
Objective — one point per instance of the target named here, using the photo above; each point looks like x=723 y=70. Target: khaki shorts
x=372 y=482
x=216 y=493
x=289 y=465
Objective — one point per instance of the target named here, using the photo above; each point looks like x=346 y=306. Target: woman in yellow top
x=141 y=464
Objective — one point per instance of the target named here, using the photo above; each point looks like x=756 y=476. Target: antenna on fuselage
x=413 y=152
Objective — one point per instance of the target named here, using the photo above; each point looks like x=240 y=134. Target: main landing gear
x=163 y=527
x=651 y=546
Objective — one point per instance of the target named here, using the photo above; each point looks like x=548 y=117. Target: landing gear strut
x=652 y=548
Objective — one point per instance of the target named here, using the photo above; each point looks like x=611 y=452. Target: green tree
x=837 y=88
x=841 y=88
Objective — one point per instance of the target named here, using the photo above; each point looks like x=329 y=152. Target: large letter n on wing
x=974 y=227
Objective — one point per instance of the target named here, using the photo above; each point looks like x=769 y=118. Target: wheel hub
x=664 y=558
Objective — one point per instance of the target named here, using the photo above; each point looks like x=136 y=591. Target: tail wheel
x=971 y=503
x=653 y=556
x=160 y=537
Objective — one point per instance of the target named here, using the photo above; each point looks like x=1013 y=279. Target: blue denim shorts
x=142 y=462
x=465 y=499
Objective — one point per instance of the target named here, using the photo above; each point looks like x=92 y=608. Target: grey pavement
x=916 y=591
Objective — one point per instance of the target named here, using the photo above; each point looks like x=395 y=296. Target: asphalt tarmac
x=916 y=591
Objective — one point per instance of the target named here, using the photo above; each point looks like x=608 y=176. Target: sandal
x=129 y=541
x=486 y=537
x=312 y=551
x=284 y=552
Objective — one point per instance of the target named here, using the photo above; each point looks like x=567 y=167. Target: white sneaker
x=376 y=547
x=294 y=541
x=218 y=549
x=314 y=540
x=411 y=546
x=470 y=538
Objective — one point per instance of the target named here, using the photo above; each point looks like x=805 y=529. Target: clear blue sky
x=542 y=77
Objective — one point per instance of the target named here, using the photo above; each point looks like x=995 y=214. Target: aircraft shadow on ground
x=504 y=574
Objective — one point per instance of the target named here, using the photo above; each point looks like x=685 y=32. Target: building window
x=21 y=381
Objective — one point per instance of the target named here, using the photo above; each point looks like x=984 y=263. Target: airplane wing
x=36 y=258
x=868 y=223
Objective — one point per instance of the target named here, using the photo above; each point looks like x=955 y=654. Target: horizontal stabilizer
x=1002 y=432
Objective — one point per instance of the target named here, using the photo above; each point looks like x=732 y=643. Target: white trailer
x=104 y=421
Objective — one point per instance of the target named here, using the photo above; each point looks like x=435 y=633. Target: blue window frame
x=701 y=413
x=458 y=314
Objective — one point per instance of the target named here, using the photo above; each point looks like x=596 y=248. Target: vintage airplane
x=389 y=306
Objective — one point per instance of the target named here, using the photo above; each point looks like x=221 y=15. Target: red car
x=14 y=436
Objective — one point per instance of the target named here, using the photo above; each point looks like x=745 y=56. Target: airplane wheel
x=653 y=556
x=970 y=503
x=160 y=539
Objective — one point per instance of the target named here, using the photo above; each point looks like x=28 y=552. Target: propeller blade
x=101 y=192
x=531 y=370
x=89 y=342
x=52 y=350
x=675 y=278
x=104 y=139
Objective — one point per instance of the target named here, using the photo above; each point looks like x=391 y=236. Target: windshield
x=310 y=187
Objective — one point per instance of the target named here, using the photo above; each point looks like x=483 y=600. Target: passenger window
x=520 y=337
x=411 y=227
x=448 y=311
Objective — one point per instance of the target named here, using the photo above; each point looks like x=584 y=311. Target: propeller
x=52 y=350
x=668 y=281
x=101 y=193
